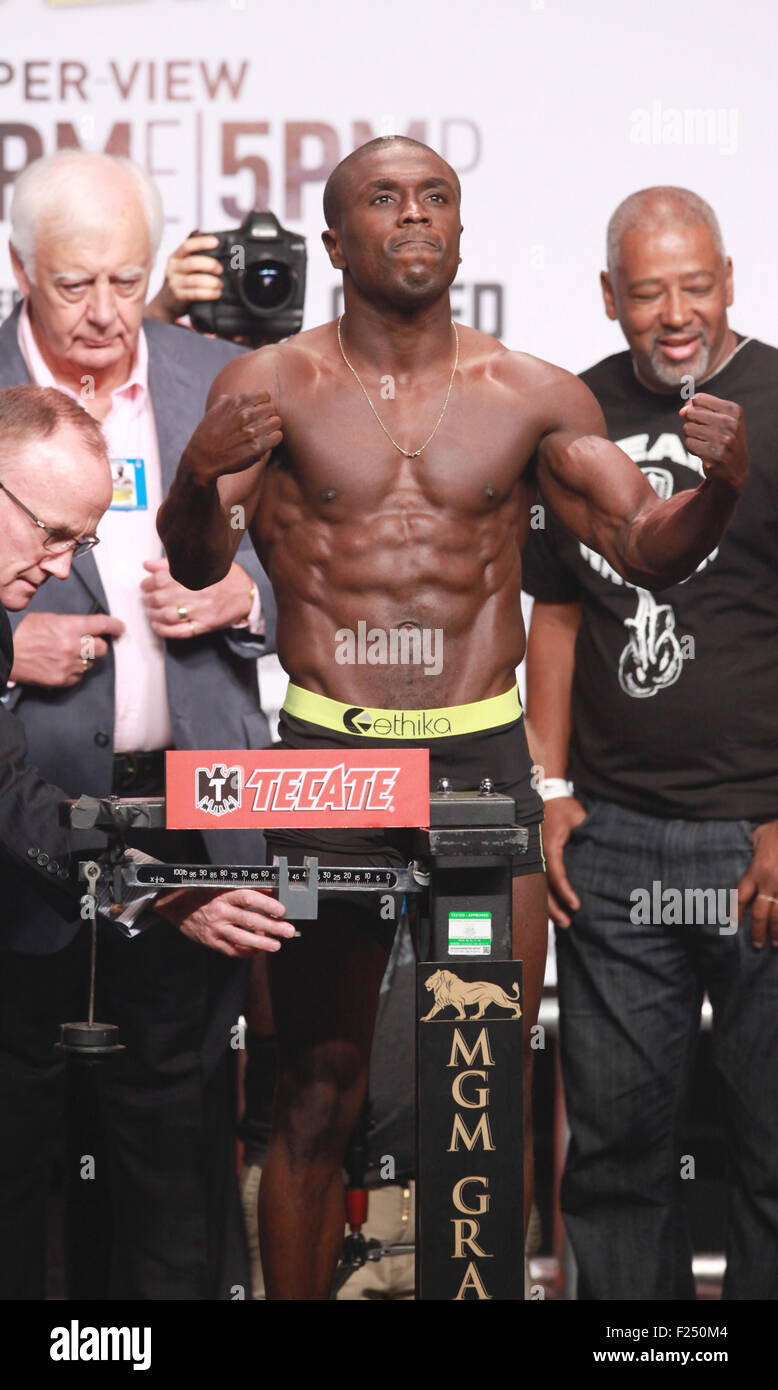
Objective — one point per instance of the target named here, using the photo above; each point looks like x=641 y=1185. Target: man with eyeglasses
x=32 y=551
x=112 y=667
x=54 y=542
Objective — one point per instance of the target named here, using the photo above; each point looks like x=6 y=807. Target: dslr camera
x=263 y=282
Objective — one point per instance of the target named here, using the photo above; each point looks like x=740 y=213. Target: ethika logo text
x=399 y=723
x=334 y=789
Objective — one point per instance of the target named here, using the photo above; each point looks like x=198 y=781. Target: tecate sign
x=238 y=790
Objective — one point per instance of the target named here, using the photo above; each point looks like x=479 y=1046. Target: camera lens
x=267 y=284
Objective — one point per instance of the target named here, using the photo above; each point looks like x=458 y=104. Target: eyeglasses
x=54 y=543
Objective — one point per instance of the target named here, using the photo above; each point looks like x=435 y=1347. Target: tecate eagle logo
x=218 y=789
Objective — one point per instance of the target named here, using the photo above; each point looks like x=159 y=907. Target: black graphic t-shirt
x=675 y=698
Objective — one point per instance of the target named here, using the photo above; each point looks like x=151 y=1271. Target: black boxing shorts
x=466 y=743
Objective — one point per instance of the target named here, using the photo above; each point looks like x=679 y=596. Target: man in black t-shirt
x=663 y=709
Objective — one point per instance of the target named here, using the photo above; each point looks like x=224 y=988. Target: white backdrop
x=551 y=110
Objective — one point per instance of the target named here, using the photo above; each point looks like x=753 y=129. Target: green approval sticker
x=469 y=933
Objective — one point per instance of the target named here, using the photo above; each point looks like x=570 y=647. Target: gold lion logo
x=447 y=988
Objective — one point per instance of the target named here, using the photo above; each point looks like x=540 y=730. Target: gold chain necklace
x=407 y=453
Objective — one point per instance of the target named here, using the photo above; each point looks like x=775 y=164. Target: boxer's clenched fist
x=715 y=431
x=235 y=433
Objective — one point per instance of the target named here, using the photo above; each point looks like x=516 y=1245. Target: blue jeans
x=630 y=996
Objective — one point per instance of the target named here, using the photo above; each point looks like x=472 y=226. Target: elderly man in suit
x=113 y=667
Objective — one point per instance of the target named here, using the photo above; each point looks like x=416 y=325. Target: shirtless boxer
x=405 y=506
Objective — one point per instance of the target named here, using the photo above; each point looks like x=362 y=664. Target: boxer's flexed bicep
x=603 y=497
x=591 y=484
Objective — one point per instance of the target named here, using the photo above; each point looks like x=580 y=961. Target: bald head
x=659 y=209
x=31 y=414
x=50 y=445
x=335 y=189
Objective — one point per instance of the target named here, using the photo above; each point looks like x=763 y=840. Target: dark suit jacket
x=32 y=842
x=211 y=680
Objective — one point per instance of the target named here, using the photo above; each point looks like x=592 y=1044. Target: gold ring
x=182 y=612
x=85 y=664
x=192 y=627
x=767 y=896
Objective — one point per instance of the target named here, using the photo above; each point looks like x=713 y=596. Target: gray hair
x=53 y=187
x=656 y=209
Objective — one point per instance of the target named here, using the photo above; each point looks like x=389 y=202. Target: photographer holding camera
x=191 y=276
x=251 y=290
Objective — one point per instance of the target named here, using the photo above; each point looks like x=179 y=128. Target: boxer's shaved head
x=340 y=178
x=657 y=210
x=393 y=223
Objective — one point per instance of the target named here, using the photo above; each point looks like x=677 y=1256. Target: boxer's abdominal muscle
x=400 y=548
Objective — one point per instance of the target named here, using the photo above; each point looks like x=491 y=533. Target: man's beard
x=673 y=373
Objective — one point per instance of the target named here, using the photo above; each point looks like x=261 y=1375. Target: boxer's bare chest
x=344 y=460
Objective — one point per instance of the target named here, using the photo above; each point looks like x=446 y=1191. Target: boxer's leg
x=324 y=989
x=530 y=941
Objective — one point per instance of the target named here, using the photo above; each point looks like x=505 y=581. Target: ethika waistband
x=403 y=724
